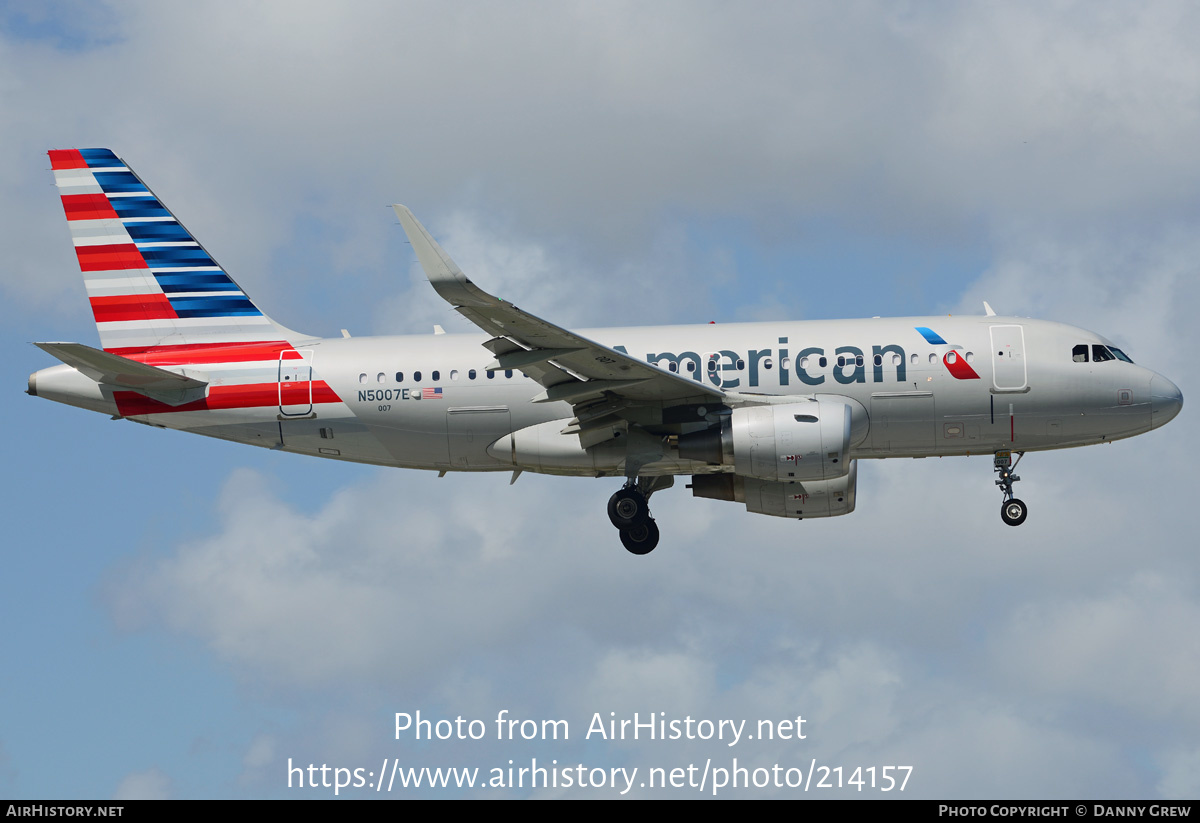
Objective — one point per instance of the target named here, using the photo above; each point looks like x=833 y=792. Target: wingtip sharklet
x=441 y=270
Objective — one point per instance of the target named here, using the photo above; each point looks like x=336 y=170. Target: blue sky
x=184 y=615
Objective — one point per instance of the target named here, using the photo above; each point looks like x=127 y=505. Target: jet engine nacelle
x=781 y=443
x=813 y=498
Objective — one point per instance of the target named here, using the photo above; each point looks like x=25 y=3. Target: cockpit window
x=1079 y=353
x=1120 y=355
x=1101 y=353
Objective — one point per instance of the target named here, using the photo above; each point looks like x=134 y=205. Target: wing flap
x=526 y=357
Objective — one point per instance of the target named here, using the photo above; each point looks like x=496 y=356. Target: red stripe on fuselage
x=66 y=159
x=110 y=257
x=207 y=353
x=132 y=307
x=249 y=396
x=87 y=207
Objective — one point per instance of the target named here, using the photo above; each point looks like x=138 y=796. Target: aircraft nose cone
x=1165 y=401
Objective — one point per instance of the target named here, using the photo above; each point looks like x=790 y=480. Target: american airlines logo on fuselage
x=850 y=364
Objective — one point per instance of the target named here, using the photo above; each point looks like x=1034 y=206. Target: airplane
x=772 y=415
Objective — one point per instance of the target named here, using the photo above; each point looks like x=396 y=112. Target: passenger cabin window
x=1079 y=353
x=437 y=375
x=417 y=376
x=1100 y=354
x=399 y=377
x=381 y=378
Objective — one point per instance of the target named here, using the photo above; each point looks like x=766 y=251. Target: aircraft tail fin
x=150 y=283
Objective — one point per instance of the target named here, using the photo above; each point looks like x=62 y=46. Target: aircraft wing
x=569 y=366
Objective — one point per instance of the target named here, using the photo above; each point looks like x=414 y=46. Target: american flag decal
x=431 y=394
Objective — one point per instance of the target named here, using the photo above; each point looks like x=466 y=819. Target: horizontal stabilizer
x=172 y=388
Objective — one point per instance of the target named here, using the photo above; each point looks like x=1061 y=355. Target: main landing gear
x=629 y=511
x=1012 y=511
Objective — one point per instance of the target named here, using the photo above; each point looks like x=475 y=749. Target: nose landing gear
x=1012 y=511
x=629 y=511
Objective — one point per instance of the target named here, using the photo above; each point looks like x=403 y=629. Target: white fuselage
x=427 y=402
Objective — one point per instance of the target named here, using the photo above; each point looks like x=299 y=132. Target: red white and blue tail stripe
x=150 y=283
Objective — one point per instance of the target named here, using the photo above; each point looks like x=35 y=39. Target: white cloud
x=470 y=596
x=151 y=784
x=1181 y=774
x=261 y=752
x=599 y=122
x=1130 y=647
x=655 y=285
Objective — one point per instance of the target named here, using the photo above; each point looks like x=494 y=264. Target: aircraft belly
x=421 y=446
x=341 y=437
x=470 y=430
x=265 y=435
x=902 y=423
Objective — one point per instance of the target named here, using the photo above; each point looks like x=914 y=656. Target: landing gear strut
x=1012 y=511
x=629 y=511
